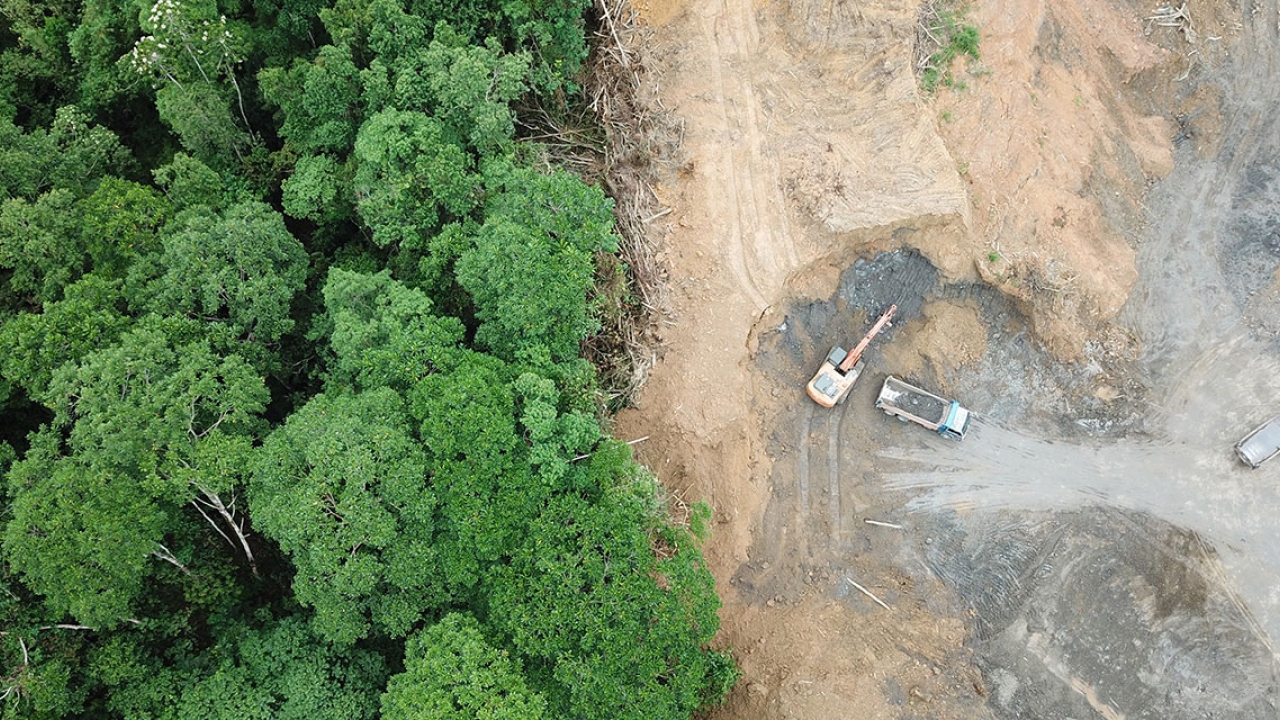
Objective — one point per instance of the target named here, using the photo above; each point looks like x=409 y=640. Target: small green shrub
x=955 y=39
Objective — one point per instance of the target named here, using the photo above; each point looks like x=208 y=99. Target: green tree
x=33 y=60
x=286 y=29
x=319 y=189
x=34 y=345
x=453 y=673
x=41 y=246
x=72 y=155
x=189 y=184
x=119 y=221
x=238 y=271
x=616 y=631
x=384 y=334
x=99 y=494
x=191 y=53
x=248 y=670
x=319 y=101
x=106 y=29
x=532 y=267
x=468 y=87
x=394 y=32
x=555 y=438
x=480 y=474
x=342 y=487
x=411 y=175
x=202 y=119
x=550 y=30
x=81 y=536
x=36 y=667
x=553 y=30
x=283 y=672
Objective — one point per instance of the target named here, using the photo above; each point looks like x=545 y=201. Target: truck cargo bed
x=908 y=402
x=926 y=407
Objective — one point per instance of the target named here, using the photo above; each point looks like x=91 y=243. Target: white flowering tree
x=192 y=54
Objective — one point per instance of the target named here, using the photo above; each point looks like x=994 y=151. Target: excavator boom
x=856 y=353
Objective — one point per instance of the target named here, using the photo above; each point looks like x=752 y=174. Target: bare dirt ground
x=1074 y=240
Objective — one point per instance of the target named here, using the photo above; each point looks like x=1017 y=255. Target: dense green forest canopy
x=295 y=420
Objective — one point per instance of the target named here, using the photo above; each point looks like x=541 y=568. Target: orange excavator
x=833 y=381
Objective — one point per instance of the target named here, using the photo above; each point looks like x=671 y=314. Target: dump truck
x=830 y=386
x=910 y=403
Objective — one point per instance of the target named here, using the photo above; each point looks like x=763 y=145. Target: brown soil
x=806 y=145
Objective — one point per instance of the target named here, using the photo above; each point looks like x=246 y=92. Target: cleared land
x=1083 y=246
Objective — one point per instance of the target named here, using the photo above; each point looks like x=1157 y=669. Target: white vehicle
x=1260 y=445
x=908 y=402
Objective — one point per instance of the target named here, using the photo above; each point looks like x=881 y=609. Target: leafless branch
x=195 y=503
x=167 y=555
x=235 y=524
x=869 y=594
x=613 y=30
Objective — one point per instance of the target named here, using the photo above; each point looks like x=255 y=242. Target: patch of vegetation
x=942 y=37
x=309 y=430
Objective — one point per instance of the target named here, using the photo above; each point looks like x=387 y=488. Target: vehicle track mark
x=802 y=477
x=734 y=254
x=833 y=471
x=757 y=247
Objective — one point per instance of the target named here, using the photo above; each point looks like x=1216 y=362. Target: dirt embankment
x=806 y=146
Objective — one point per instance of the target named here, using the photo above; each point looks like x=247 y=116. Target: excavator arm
x=831 y=385
x=856 y=353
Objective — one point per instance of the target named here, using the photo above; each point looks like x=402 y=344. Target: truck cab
x=956 y=423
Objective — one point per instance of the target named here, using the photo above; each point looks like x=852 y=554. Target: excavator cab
x=831 y=384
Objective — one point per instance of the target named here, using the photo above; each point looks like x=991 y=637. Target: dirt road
x=1083 y=246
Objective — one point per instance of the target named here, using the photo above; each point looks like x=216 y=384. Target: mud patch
x=1251 y=250
x=1094 y=612
x=902 y=277
x=968 y=340
x=1102 y=613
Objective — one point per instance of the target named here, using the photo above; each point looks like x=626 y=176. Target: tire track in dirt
x=805 y=519
x=1197 y=202
x=757 y=246
x=801 y=514
x=1201 y=485
x=833 y=479
x=735 y=254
